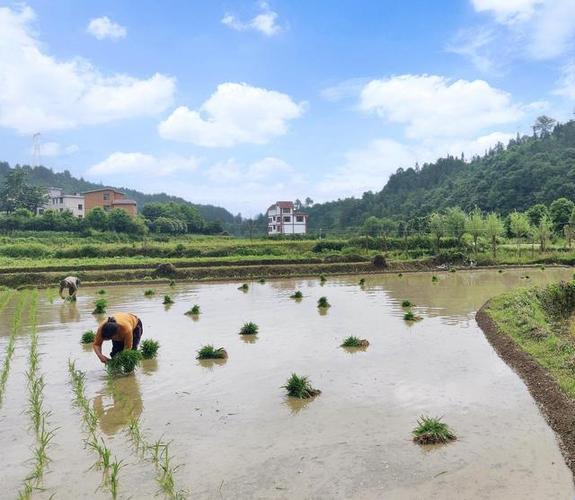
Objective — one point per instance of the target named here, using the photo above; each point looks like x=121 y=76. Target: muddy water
x=236 y=433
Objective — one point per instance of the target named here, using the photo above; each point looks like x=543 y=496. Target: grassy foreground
x=539 y=320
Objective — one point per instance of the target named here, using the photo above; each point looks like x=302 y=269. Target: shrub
x=88 y=337
x=353 y=341
x=149 y=292
x=194 y=311
x=210 y=352
x=244 y=288
x=379 y=261
x=322 y=303
x=300 y=387
x=124 y=362
x=322 y=246
x=297 y=295
x=100 y=306
x=249 y=328
x=406 y=303
x=166 y=270
x=432 y=431
x=167 y=300
x=149 y=348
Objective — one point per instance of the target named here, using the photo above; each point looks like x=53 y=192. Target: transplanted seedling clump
x=101 y=292
x=300 y=387
x=149 y=348
x=244 y=288
x=362 y=282
x=434 y=279
x=322 y=303
x=167 y=300
x=406 y=303
x=249 y=328
x=100 y=306
x=124 y=362
x=194 y=311
x=431 y=430
x=410 y=316
x=149 y=292
x=210 y=352
x=296 y=295
x=88 y=337
x=353 y=341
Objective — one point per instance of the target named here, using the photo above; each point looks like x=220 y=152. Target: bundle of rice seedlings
x=353 y=341
x=261 y=281
x=406 y=303
x=210 y=352
x=410 y=316
x=434 y=279
x=167 y=300
x=88 y=337
x=362 y=282
x=296 y=295
x=322 y=303
x=149 y=348
x=124 y=362
x=100 y=306
x=300 y=387
x=244 y=288
x=149 y=292
x=101 y=292
x=194 y=311
x=432 y=431
x=249 y=328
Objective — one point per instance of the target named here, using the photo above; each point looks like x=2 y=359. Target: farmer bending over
x=123 y=329
x=71 y=283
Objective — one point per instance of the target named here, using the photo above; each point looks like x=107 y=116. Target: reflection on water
x=210 y=364
x=149 y=366
x=116 y=408
x=297 y=405
x=69 y=312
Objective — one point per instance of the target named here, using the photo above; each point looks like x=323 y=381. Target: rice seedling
x=452 y=270
x=543 y=268
x=362 y=282
x=322 y=303
x=431 y=430
x=400 y=275
x=114 y=477
x=249 y=328
x=104 y=455
x=124 y=362
x=167 y=300
x=88 y=337
x=297 y=295
x=194 y=310
x=100 y=306
x=410 y=316
x=149 y=292
x=353 y=341
x=434 y=279
x=70 y=298
x=501 y=270
x=300 y=387
x=210 y=352
x=244 y=288
x=101 y=292
x=149 y=348
x=322 y=279
x=406 y=303
x=172 y=283
x=261 y=281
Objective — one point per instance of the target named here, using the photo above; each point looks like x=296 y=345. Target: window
x=80 y=207
x=61 y=201
x=287 y=219
x=286 y=210
x=299 y=218
x=107 y=208
x=273 y=228
x=106 y=196
x=270 y=219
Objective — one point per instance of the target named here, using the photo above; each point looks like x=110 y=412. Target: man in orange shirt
x=123 y=329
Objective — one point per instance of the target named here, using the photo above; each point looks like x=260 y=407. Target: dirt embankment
x=556 y=406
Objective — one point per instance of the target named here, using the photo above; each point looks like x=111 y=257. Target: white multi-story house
x=59 y=202
x=284 y=219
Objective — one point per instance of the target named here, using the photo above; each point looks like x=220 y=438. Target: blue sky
x=241 y=103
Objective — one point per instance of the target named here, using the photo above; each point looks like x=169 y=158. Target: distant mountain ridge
x=46 y=177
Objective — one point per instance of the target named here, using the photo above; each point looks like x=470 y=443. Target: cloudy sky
x=239 y=103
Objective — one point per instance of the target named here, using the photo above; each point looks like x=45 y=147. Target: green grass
x=149 y=292
x=149 y=348
x=194 y=310
x=300 y=387
x=322 y=303
x=244 y=288
x=210 y=352
x=431 y=430
x=296 y=295
x=406 y=303
x=353 y=341
x=167 y=300
x=249 y=328
x=88 y=337
x=100 y=306
x=124 y=362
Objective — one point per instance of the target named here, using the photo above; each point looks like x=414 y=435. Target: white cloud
x=476 y=44
x=104 y=28
x=51 y=149
x=508 y=11
x=566 y=86
x=265 y=22
x=142 y=164
x=40 y=93
x=235 y=113
x=434 y=106
x=267 y=167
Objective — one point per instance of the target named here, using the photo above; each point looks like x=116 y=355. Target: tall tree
x=494 y=229
x=475 y=226
x=519 y=226
x=437 y=228
x=543 y=125
x=543 y=232
x=455 y=220
x=560 y=211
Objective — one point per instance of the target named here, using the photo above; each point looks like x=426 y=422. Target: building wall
x=59 y=201
x=285 y=221
x=103 y=199
x=131 y=209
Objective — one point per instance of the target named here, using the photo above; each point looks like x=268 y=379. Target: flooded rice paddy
x=236 y=434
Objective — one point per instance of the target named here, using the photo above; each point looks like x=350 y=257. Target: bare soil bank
x=556 y=406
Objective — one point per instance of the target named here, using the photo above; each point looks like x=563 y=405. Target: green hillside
x=527 y=171
x=42 y=176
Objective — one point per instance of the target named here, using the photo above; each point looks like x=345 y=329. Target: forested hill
x=42 y=176
x=528 y=170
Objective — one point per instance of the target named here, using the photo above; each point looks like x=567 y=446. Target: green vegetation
x=353 y=341
x=300 y=387
x=101 y=292
x=297 y=295
x=210 y=352
x=88 y=337
x=362 y=282
x=249 y=328
x=411 y=316
x=149 y=292
x=406 y=303
x=167 y=300
x=539 y=321
x=244 y=288
x=15 y=327
x=322 y=303
x=194 y=311
x=100 y=306
x=434 y=279
x=431 y=430
x=261 y=281
x=149 y=348
x=124 y=362
x=322 y=278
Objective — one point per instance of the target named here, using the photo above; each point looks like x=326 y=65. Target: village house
x=284 y=219
x=108 y=199
x=60 y=202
